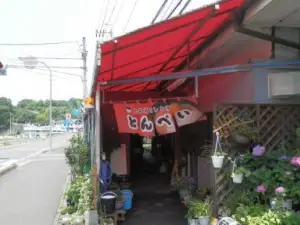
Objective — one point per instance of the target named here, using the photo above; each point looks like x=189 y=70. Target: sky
x=51 y=21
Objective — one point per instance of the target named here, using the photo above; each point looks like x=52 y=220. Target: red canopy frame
x=163 y=48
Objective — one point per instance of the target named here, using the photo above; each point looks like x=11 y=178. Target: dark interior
x=154 y=201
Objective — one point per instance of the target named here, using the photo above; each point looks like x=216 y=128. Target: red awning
x=163 y=47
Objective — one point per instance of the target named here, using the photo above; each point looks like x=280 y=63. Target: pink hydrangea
x=261 y=188
x=295 y=161
x=280 y=190
x=258 y=150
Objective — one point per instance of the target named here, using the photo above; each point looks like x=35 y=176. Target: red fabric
x=145 y=51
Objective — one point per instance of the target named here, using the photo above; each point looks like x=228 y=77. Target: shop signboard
x=156 y=118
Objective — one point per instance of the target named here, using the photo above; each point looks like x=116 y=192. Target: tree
x=24 y=115
x=6 y=109
x=43 y=117
x=37 y=112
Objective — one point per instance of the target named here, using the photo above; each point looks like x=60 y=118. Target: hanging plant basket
x=218 y=156
x=217 y=161
x=237 y=178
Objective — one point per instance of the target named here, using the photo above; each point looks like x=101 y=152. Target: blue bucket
x=127 y=195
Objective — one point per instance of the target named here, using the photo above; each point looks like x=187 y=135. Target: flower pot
x=91 y=217
x=237 y=178
x=203 y=220
x=288 y=204
x=240 y=139
x=193 y=222
x=183 y=193
x=217 y=161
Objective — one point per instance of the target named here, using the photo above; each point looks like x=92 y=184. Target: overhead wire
x=37 y=44
x=184 y=7
x=167 y=9
x=174 y=9
x=118 y=14
x=111 y=14
x=101 y=14
x=48 y=58
x=129 y=18
x=159 y=11
x=62 y=72
x=45 y=74
x=105 y=15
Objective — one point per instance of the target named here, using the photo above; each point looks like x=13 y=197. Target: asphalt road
x=30 y=194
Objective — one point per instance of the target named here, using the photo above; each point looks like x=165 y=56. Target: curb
x=8 y=168
x=62 y=200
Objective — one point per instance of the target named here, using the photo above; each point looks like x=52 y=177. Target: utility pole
x=84 y=80
x=84 y=59
x=10 y=124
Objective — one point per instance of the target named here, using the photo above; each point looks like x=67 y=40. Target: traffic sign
x=68 y=116
x=76 y=112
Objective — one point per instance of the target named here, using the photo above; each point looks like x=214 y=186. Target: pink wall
x=235 y=87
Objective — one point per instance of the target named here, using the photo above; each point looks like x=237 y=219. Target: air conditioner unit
x=284 y=84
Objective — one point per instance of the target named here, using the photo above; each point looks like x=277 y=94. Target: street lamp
x=31 y=63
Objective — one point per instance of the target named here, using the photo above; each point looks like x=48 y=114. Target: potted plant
x=238 y=174
x=198 y=212
x=219 y=155
x=218 y=159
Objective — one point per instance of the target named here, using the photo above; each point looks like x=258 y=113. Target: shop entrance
x=151 y=168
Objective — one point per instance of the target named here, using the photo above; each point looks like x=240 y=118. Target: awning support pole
x=203 y=72
x=253 y=33
x=98 y=128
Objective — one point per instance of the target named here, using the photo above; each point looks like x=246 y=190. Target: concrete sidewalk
x=30 y=194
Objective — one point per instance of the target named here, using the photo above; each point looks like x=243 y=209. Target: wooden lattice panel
x=274 y=124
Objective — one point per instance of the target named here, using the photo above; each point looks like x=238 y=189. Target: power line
x=165 y=12
x=159 y=11
x=105 y=14
x=132 y=11
x=184 y=7
x=101 y=15
x=111 y=14
x=36 y=44
x=57 y=67
x=56 y=71
x=45 y=74
x=118 y=13
x=174 y=9
x=44 y=58
x=58 y=58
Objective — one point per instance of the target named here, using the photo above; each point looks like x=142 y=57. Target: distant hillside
x=31 y=111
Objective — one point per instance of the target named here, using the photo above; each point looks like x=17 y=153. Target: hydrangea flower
x=261 y=188
x=280 y=190
x=258 y=150
x=295 y=161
